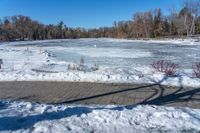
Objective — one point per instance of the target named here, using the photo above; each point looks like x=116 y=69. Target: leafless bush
x=1 y=63
x=69 y=67
x=164 y=66
x=95 y=67
x=82 y=61
x=75 y=66
x=82 y=67
x=72 y=67
x=196 y=69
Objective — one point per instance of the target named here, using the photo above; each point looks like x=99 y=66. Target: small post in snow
x=1 y=63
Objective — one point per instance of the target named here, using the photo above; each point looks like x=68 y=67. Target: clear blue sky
x=82 y=13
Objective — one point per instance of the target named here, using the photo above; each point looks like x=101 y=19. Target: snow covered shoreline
x=99 y=78
x=190 y=41
x=118 y=61
x=19 y=116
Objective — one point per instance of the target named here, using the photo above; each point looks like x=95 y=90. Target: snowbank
x=178 y=41
x=184 y=41
x=33 y=117
x=99 y=76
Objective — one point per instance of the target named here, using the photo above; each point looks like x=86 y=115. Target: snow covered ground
x=105 y=60
x=32 y=117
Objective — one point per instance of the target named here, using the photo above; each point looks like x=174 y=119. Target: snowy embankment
x=119 y=61
x=179 y=41
x=33 y=117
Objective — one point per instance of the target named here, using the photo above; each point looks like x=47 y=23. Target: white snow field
x=105 y=60
x=32 y=117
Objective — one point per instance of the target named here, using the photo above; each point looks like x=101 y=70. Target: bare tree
x=144 y=23
x=172 y=17
x=190 y=13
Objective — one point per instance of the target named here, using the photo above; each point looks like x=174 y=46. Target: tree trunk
x=186 y=26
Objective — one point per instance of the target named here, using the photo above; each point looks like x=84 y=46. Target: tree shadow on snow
x=13 y=123
x=180 y=94
x=26 y=122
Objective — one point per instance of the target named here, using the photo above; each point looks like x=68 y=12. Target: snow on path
x=32 y=117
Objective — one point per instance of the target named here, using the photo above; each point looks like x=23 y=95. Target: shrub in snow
x=196 y=69
x=167 y=67
x=1 y=63
x=69 y=67
x=73 y=67
x=82 y=67
x=78 y=67
x=82 y=61
x=95 y=67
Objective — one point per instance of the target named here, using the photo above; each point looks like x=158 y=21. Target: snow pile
x=179 y=41
x=175 y=41
x=32 y=117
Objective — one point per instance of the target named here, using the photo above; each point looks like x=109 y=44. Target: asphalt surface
x=100 y=93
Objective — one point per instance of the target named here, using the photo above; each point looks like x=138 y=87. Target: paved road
x=100 y=93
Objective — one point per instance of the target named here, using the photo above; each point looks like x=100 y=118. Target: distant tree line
x=150 y=24
x=24 y=28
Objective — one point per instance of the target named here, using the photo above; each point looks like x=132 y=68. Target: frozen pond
x=116 y=60
x=120 y=53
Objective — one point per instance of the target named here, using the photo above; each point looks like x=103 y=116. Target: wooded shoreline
x=150 y=24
